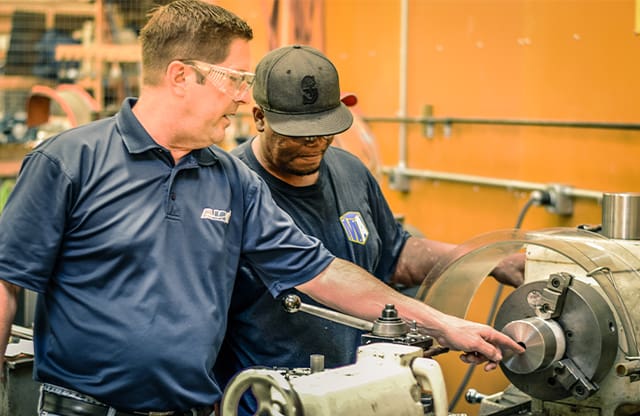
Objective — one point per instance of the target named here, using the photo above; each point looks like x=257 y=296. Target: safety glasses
x=236 y=84
x=307 y=141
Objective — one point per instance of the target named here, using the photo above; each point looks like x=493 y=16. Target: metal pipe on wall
x=509 y=184
x=429 y=122
x=402 y=92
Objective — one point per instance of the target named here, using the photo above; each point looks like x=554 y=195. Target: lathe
x=577 y=314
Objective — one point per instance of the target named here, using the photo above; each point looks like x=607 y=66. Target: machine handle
x=292 y=304
x=261 y=382
x=429 y=375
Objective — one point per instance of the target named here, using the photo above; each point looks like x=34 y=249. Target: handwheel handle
x=261 y=382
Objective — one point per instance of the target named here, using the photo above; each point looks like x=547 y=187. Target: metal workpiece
x=544 y=342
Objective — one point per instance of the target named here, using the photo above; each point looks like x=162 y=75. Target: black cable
x=523 y=212
x=537 y=198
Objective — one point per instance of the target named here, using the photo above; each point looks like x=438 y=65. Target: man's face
x=214 y=100
x=299 y=156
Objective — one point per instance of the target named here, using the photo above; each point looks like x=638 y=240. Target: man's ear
x=176 y=77
x=258 y=118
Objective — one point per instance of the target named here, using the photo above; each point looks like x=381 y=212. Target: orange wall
x=565 y=60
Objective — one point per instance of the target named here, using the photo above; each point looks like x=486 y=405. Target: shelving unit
x=49 y=8
x=99 y=52
x=103 y=50
x=97 y=57
x=96 y=53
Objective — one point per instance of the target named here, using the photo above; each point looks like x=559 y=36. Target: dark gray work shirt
x=347 y=211
x=135 y=258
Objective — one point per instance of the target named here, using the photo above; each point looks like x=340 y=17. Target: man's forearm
x=348 y=288
x=416 y=260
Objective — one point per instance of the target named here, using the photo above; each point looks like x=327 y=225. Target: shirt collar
x=137 y=140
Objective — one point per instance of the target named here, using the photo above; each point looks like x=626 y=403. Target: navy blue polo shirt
x=134 y=259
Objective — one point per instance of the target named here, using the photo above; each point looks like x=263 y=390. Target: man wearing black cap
x=331 y=195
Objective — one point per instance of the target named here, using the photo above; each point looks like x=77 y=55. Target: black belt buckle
x=55 y=403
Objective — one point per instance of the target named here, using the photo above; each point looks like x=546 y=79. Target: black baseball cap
x=298 y=88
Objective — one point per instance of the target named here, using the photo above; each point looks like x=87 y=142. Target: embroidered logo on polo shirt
x=216 y=215
x=354 y=227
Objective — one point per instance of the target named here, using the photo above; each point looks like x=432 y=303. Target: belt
x=63 y=405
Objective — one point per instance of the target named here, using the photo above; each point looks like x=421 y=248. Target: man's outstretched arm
x=350 y=289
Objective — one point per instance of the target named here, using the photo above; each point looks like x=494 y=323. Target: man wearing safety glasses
x=131 y=230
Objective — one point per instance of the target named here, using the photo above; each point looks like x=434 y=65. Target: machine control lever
x=388 y=327
x=474 y=396
x=292 y=304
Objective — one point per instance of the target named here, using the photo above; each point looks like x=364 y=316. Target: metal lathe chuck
x=570 y=337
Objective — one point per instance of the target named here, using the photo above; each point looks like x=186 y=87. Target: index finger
x=495 y=343
x=505 y=342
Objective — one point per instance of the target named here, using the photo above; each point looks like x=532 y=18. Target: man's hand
x=510 y=271
x=479 y=343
